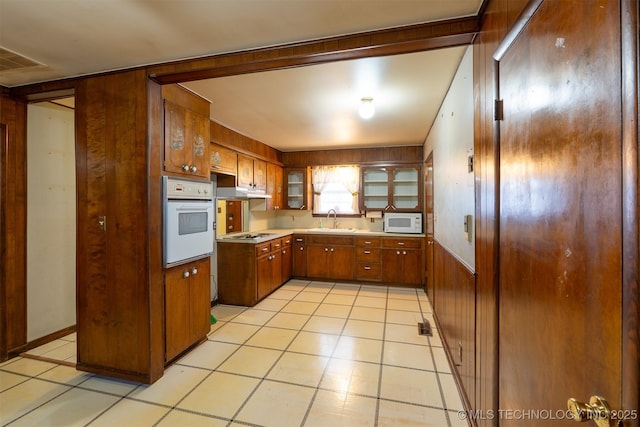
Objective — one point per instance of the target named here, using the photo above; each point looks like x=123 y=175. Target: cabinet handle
x=277 y=245
x=367 y=252
x=185 y=168
x=299 y=239
x=265 y=249
x=401 y=243
x=194 y=271
x=366 y=267
x=193 y=169
x=367 y=243
x=185 y=275
x=302 y=207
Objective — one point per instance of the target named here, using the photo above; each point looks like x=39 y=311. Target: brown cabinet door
x=198 y=134
x=318 y=261
x=296 y=189
x=391 y=265
x=299 y=257
x=342 y=260
x=276 y=270
x=222 y=160
x=176 y=320
x=199 y=300
x=177 y=149
x=259 y=175
x=287 y=258
x=245 y=172
x=263 y=277
x=274 y=186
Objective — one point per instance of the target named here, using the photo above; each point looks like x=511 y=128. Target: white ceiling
x=310 y=107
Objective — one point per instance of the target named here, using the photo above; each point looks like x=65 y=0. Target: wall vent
x=13 y=61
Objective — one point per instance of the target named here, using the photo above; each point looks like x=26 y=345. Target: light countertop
x=269 y=234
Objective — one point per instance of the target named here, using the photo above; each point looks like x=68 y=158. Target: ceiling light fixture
x=366 y=110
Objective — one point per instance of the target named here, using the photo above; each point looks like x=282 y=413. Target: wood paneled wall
x=13 y=291
x=380 y=155
x=236 y=141
x=454 y=310
x=499 y=16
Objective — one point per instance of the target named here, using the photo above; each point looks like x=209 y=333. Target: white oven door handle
x=192 y=207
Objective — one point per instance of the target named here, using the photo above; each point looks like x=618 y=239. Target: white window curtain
x=347 y=176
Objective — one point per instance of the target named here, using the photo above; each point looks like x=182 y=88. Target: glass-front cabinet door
x=406 y=189
x=375 y=188
x=296 y=189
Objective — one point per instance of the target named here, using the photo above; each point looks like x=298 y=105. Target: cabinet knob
x=397 y=252
x=193 y=169
x=404 y=252
x=331 y=249
x=326 y=249
x=302 y=248
x=284 y=251
x=186 y=274
x=194 y=271
x=185 y=168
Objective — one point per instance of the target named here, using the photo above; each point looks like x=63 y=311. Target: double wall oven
x=188 y=220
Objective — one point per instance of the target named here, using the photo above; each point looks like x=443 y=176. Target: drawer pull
x=367 y=252
x=367 y=243
x=366 y=267
x=265 y=249
x=401 y=243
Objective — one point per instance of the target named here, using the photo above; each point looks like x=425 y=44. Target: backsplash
x=286 y=219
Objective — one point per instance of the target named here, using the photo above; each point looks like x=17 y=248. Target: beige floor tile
x=63 y=352
x=405 y=334
x=364 y=329
x=373 y=302
x=405 y=317
x=176 y=382
x=284 y=294
x=29 y=367
x=295 y=285
x=130 y=413
x=300 y=307
x=275 y=338
x=361 y=349
x=340 y=299
x=404 y=305
x=251 y=361
x=277 y=405
x=373 y=291
x=109 y=385
x=337 y=409
x=333 y=310
x=74 y=408
x=186 y=419
x=226 y=312
x=451 y=393
x=349 y=376
x=323 y=287
x=314 y=343
x=288 y=321
x=271 y=304
x=310 y=296
x=8 y=380
x=440 y=359
x=26 y=396
x=366 y=313
x=208 y=355
x=65 y=375
x=220 y=394
x=301 y=369
x=403 y=293
x=394 y=414
x=345 y=289
x=410 y=385
x=254 y=317
x=43 y=349
x=407 y=355
x=236 y=333
x=71 y=337
x=214 y=327
x=323 y=324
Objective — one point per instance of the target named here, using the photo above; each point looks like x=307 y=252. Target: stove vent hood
x=240 y=193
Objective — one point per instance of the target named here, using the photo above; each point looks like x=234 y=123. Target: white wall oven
x=188 y=220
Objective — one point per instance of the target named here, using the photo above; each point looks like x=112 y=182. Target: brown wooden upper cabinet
x=252 y=173
x=274 y=187
x=223 y=160
x=186 y=141
x=391 y=188
x=297 y=188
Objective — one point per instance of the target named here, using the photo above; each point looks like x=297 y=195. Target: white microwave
x=396 y=222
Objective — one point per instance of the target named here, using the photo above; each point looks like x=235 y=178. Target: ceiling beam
x=392 y=41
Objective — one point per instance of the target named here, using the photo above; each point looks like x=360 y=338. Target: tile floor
x=311 y=354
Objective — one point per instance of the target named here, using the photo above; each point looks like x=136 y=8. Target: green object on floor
x=213 y=319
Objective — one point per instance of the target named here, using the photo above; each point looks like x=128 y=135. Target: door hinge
x=498 y=110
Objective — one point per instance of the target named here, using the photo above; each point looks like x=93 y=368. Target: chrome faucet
x=335 y=217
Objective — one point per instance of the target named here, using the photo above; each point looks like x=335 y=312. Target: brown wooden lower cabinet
x=187 y=306
x=330 y=257
x=299 y=250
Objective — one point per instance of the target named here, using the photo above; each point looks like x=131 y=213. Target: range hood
x=240 y=193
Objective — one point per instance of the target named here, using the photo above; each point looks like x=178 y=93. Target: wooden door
x=198 y=133
x=245 y=172
x=318 y=261
x=176 y=302
x=299 y=257
x=343 y=260
x=562 y=226
x=199 y=300
x=428 y=210
x=259 y=175
x=177 y=150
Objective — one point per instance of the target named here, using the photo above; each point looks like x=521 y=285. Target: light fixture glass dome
x=366 y=110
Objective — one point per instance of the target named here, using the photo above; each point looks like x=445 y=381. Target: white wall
x=451 y=139
x=51 y=219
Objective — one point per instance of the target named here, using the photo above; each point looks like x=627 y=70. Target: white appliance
x=188 y=220
x=397 y=222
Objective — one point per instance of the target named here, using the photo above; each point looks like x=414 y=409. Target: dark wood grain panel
x=243 y=144
x=378 y=155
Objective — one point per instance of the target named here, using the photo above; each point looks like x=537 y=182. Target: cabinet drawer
x=372 y=242
x=276 y=244
x=396 y=243
x=286 y=241
x=368 y=254
x=299 y=239
x=331 y=240
x=263 y=248
x=368 y=271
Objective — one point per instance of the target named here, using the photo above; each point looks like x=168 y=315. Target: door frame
x=630 y=77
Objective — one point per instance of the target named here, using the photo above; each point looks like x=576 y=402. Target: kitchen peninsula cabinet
x=287 y=259
x=186 y=141
x=402 y=260
x=187 y=306
x=269 y=267
x=252 y=173
x=330 y=257
x=223 y=160
x=391 y=188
